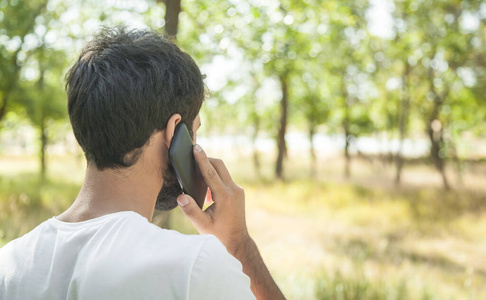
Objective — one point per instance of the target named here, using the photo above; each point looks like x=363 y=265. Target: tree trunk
x=256 y=156
x=313 y=156
x=42 y=123
x=172 y=11
x=347 y=133
x=403 y=121
x=11 y=83
x=282 y=147
x=43 y=149
x=7 y=91
x=255 y=118
x=435 y=131
x=256 y=161
x=435 y=137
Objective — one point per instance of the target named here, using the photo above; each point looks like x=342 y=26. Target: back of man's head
x=123 y=88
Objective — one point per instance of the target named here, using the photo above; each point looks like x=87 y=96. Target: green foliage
x=340 y=74
x=17 y=24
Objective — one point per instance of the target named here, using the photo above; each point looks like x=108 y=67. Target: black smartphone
x=186 y=167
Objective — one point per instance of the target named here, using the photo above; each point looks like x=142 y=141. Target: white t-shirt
x=118 y=256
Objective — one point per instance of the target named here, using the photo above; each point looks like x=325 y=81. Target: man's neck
x=114 y=190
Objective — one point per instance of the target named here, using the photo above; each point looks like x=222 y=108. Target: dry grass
x=329 y=238
x=364 y=238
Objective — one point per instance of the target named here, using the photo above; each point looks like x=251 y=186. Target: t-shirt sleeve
x=216 y=274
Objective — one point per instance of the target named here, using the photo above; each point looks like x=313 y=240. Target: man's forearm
x=262 y=284
x=226 y=220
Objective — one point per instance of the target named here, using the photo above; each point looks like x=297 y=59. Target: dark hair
x=124 y=87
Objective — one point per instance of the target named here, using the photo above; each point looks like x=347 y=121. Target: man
x=126 y=94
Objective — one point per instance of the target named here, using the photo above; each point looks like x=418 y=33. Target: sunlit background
x=355 y=127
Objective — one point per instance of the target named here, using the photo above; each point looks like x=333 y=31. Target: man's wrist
x=241 y=246
x=246 y=249
x=262 y=284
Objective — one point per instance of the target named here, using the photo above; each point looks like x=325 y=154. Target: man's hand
x=225 y=218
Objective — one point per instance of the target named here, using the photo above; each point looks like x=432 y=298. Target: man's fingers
x=192 y=211
x=223 y=172
x=208 y=172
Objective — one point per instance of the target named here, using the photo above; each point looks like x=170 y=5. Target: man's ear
x=170 y=128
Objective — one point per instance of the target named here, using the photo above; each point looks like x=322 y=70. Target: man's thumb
x=191 y=210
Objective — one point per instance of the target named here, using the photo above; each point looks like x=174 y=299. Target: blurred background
x=355 y=127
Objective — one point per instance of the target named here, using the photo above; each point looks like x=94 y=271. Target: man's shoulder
x=153 y=236
x=144 y=255
x=20 y=250
x=22 y=241
x=152 y=245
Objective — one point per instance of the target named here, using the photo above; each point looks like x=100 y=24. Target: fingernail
x=198 y=148
x=183 y=201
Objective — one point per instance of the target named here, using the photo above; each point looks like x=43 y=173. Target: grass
x=322 y=239
x=360 y=287
x=402 y=240
x=26 y=201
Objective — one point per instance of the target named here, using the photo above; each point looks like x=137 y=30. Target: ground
x=328 y=238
